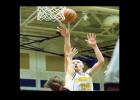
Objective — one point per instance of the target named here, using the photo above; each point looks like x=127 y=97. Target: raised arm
x=70 y=69
x=67 y=45
x=69 y=56
x=91 y=41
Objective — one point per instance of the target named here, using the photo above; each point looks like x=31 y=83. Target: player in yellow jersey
x=75 y=78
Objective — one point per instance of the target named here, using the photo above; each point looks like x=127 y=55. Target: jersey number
x=85 y=87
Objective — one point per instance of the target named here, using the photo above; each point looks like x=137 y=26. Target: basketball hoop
x=51 y=13
x=54 y=14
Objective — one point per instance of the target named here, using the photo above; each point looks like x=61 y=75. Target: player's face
x=77 y=64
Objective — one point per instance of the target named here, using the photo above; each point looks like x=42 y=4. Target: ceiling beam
x=96 y=9
x=45 y=29
x=106 y=51
x=40 y=50
x=41 y=40
x=29 y=18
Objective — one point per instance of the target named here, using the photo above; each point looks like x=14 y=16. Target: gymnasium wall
x=41 y=66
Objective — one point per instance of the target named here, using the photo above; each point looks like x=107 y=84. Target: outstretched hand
x=72 y=52
x=91 y=39
x=63 y=31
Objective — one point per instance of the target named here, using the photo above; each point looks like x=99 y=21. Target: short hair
x=54 y=83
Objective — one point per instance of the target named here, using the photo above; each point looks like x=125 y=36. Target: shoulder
x=88 y=72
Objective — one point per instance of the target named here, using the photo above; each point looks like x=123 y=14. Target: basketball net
x=54 y=14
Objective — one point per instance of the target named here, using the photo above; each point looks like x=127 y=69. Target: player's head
x=55 y=83
x=78 y=65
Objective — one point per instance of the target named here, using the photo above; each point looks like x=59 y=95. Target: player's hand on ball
x=63 y=31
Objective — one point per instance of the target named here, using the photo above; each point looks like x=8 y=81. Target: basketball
x=70 y=16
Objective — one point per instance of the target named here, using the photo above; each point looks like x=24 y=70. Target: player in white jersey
x=81 y=82
x=75 y=78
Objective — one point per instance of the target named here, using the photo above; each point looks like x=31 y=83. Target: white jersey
x=81 y=82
